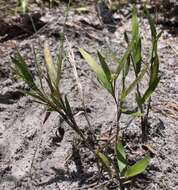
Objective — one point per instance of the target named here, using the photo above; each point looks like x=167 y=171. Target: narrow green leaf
x=126 y=37
x=68 y=108
x=125 y=93
x=22 y=70
x=23 y=5
x=159 y=35
x=152 y=24
x=36 y=96
x=47 y=78
x=154 y=79
x=123 y=61
x=150 y=90
x=57 y=100
x=136 y=40
x=50 y=65
x=133 y=112
x=139 y=100
x=104 y=66
x=137 y=54
x=154 y=70
x=46 y=116
x=98 y=70
x=127 y=66
x=121 y=158
x=105 y=162
x=39 y=102
x=138 y=167
x=135 y=25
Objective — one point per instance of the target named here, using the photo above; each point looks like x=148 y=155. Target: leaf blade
x=22 y=70
x=125 y=93
x=137 y=168
x=104 y=66
x=50 y=65
x=105 y=162
x=121 y=158
x=98 y=70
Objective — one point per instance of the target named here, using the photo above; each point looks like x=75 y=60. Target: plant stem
x=144 y=120
x=117 y=122
x=119 y=113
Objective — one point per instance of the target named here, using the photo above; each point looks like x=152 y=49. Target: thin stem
x=33 y=24
x=82 y=97
x=119 y=113
x=148 y=107
x=143 y=118
x=118 y=122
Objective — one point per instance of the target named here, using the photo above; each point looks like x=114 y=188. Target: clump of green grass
x=116 y=165
x=132 y=57
x=108 y=79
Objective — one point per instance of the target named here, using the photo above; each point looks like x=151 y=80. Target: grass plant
x=116 y=165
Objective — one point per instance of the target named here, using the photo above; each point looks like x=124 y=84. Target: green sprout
x=122 y=169
x=132 y=56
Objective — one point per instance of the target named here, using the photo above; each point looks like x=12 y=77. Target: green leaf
x=150 y=90
x=126 y=37
x=133 y=112
x=137 y=55
x=136 y=40
x=138 y=167
x=139 y=100
x=36 y=96
x=121 y=158
x=127 y=66
x=23 y=5
x=22 y=70
x=68 y=108
x=46 y=116
x=154 y=70
x=135 y=25
x=102 y=78
x=125 y=93
x=50 y=65
x=152 y=24
x=104 y=66
x=159 y=35
x=105 y=162
x=123 y=61
x=57 y=100
x=154 y=79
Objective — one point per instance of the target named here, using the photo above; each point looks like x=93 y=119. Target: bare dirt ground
x=31 y=157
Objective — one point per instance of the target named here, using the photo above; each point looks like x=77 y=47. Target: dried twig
x=72 y=62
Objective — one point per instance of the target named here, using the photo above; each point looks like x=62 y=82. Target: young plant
x=52 y=99
x=108 y=80
x=55 y=101
x=153 y=64
x=126 y=171
x=122 y=169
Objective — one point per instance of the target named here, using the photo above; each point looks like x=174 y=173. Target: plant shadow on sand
x=62 y=175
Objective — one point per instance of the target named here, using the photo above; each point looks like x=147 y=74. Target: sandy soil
x=29 y=156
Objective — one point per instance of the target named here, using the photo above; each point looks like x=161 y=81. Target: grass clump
x=116 y=164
